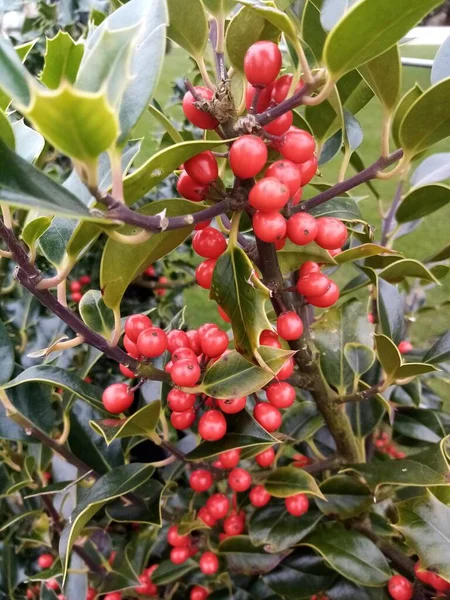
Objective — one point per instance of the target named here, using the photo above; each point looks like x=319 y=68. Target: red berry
x=212 y=425
x=302 y=229
x=331 y=233
x=265 y=458
x=209 y=563
x=281 y=88
x=286 y=370
x=135 y=325
x=179 y=555
x=76 y=297
x=328 y=299
x=204 y=273
x=152 y=342
x=297 y=145
x=116 y=398
x=180 y=401
x=281 y=394
x=259 y=496
x=45 y=561
x=239 y=479
x=308 y=169
x=176 y=339
x=175 y=539
x=206 y=517
x=248 y=155
x=168 y=367
x=181 y=353
x=314 y=284
x=199 y=593
x=85 y=279
x=267 y=335
x=75 y=286
x=297 y=505
x=431 y=578
x=91 y=593
x=203 y=329
x=150 y=271
x=52 y=584
x=190 y=188
x=223 y=314
x=269 y=226
x=262 y=63
x=263 y=98
x=183 y=420
x=113 y=596
x=218 y=506
x=280 y=244
x=126 y=372
x=202 y=225
x=197 y=117
x=234 y=524
x=130 y=347
x=309 y=267
x=230 y=458
x=194 y=341
x=230 y=406
x=268 y=195
x=185 y=373
x=214 y=342
x=405 y=346
x=400 y=588
x=281 y=124
x=209 y=243
x=273 y=342
x=289 y=326
x=287 y=172
x=147 y=588
x=300 y=460
x=267 y=416
x=202 y=168
x=200 y=480
x=161 y=292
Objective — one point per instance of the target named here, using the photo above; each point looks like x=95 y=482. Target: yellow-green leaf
x=62 y=60
x=288 y=481
x=141 y=423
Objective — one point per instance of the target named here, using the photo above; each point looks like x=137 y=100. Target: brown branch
x=364 y=395
x=323 y=465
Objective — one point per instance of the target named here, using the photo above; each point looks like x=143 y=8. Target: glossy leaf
x=62 y=60
x=388 y=355
x=6 y=355
x=122 y=263
x=313 y=31
x=370 y=28
x=425 y=523
x=277 y=530
x=15 y=80
x=145 y=509
x=351 y=554
x=34 y=229
x=243 y=557
x=359 y=357
x=276 y=17
x=168 y=572
x=340 y=208
x=29 y=143
x=6 y=131
x=383 y=74
x=353 y=132
x=291 y=256
x=243 y=431
x=432 y=169
x=390 y=307
x=32 y=401
x=288 y=481
x=406 y=268
x=361 y=252
x=440 y=69
x=408 y=370
x=439 y=351
x=22 y=51
x=423 y=201
x=406 y=101
x=419 y=424
x=346 y=497
x=301 y=421
x=188 y=25
x=142 y=422
x=233 y=375
x=96 y=314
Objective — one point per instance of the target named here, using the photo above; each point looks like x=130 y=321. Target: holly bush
x=208 y=386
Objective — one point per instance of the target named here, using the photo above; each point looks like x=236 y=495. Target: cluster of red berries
x=401 y=588
x=199 y=173
x=318 y=289
x=76 y=287
x=384 y=444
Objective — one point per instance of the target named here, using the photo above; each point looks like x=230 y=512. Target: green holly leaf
x=243 y=557
x=439 y=351
x=188 y=26
x=34 y=229
x=343 y=208
x=363 y=251
x=219 y=8
x=359 y=357
x=6 y=355
x=15 y=80
x=301 y=421
x=62 y=60
x=167 y=572
x=406 y=101
x=388 y=355
x=313 y=33
x=288 y=481
x=423 y=201
x=418 y=424
x=383 y=74
x=346 y=497
x=291 y=256
x=96 y=315
x=276 y=17
x=142 y=423
x=146 y=508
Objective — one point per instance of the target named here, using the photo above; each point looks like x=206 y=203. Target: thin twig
x=364 y=395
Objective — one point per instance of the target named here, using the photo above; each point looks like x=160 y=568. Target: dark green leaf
x=188 y=25
x=96 y=314
x=291 y=256
x=168 y=572
x=418 y=424
x=383 y=74
x=340 y=208
x=359 y=357
x=15 y=79
x=142 y=423
x=346 y=497
x=388 y=355
x=33 y=402
x=390 y=311
x=145 y=509
x=439 y=351
x=288 y=481
x=301 y=421
x=353 y=132
x=242 y=557
x=404 y=105
x=406 y=268
x=6 y=355
x=423 y=201
x=313 y=32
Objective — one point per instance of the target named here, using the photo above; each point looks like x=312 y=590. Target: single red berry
x=85 y=279
x=45 y=561
x=308 y=169
x=75 y=286
x=52 y=584
x=269 y=338
x=268 y=195
x=130 y=347
x=214 y=342
x=331 y=233
x=230 y=406
x=300 y=460
x=218 y=506
x=209 y=563
x=113 y=596
x=190 y=188
x=289 y=326
x=199 y=593
x=247 y=157
x=281 y=124
x=196 y=116
x=400 y=588
x=309 y=267
x=61 y=597
x=328 y=299
x=76 y=297
x=280 y=244
x=179 y=555
x=286 y=370
x=91 y=593
x=168 y=367
x=135 y=325
x=150 y=271
x=202 y=225
x=269 y=226
x=297 y=145
x=262 y=63
x=259 y=496
x=265 y=458
x=212 y=425
x=205 y=516
x=204 y=273
x=230 y=458
x=223 y=314
x=234 y=524
x=200 y=480
x=175 y=539
x=405 y=346
x=117 y=398
x=302 y=229
x=287 y=172
x=297 y=505
x=281 y=394
x=203 y=329
x=180 y=401
x=183 y=420
x=263 y=99
x=281 y=88
x=313 y=284
x=176 y=339
x=161 y=291
x=202 y=168
x=209 y=243
x=152 y=342
x=267 y=416
x=194 y=341
x=126 y=372
x=239 y=479
x=431 y=578
x=181 y=353
x=185 y=373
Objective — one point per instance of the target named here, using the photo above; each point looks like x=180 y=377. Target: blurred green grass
x=430 y=236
